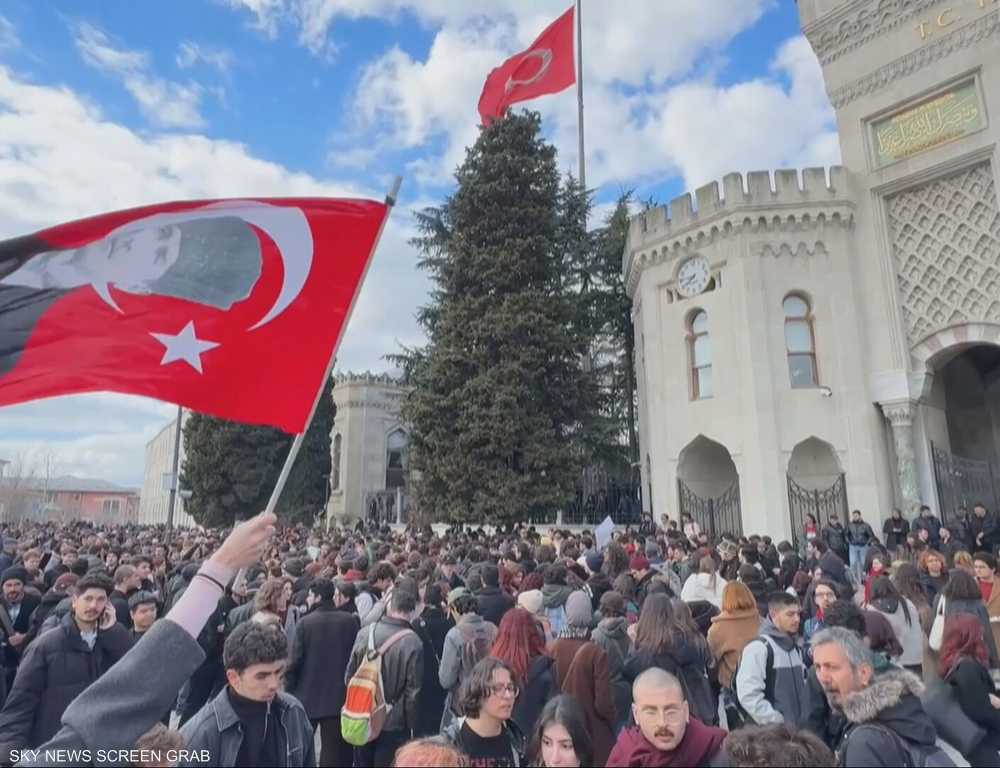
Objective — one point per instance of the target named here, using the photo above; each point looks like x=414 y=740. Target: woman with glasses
x=486 y=731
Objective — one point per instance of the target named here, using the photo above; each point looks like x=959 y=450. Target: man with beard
x=15 y=618
x=887 y=725
x=60 y=664
x=665 y=734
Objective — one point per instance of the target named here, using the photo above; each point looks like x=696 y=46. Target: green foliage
x=231 y=468
x=500 y=401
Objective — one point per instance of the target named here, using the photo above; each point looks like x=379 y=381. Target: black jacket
x=930 y=524
x=894 y=532
x=835 y=537
x=49 y=601
x=989 y=526
x=22 y=624
x=536 y=690
x=687 y=661
x=402 y=671
x=120 y=602
x=860 y=534
x=320 y=653
x=494 y=603
x=432 y=626
x=55 y=670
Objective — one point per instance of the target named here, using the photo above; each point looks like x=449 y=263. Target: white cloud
x=162 y=102
x=266 y=13
x=190 y=54
x=8 y=35
x=61 y=159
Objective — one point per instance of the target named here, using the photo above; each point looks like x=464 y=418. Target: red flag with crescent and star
x=228 y=307
x=547 y=66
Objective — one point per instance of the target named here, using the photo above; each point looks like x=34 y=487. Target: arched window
x=396 y=459
x=800 y=343
x=701 y=356
x=335 y=469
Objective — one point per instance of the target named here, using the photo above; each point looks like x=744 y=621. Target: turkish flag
x=547 y=66
x=228 y=307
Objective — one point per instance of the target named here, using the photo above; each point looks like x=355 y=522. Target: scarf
x=699 y=745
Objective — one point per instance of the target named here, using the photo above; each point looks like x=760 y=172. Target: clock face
x=693 y=276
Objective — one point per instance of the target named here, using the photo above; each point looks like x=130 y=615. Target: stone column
x=900 y=417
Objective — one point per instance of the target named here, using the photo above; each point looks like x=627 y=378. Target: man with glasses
x=665 y=732
x=486 y=733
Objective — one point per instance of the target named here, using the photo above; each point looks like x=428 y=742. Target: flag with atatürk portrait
x=228 y=307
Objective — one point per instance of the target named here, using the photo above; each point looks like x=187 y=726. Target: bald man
x=666 y=733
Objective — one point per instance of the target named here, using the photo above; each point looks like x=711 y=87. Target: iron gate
x=962 y=482
x=819 y=504
x=715 y=516
x=619 y=500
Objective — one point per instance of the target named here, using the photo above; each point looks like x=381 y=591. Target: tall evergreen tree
x=231 y=468
x=499 y=398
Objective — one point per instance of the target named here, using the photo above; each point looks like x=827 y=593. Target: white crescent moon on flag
x=286 y=226
x=545 y=54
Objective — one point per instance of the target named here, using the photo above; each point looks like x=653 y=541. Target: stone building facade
x=154 y=502
x=369 y=446
x=822 y=341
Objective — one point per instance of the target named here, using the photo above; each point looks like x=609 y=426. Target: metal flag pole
x=390 y=201
x=293 y=452
x=579 y=93
x=174 y=478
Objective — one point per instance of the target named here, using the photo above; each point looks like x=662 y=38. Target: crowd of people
x=368 y=646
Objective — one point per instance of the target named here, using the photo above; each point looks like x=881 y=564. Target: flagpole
x=390 y=201
x=293 y=452
x=579 y=93
x=175 y=481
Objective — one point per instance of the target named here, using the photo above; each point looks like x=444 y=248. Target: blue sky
x=111 y=104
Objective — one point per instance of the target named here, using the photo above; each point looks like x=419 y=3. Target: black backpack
x=914 y=755
x=736 y=715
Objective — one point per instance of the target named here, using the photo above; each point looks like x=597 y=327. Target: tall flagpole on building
x=579 y=93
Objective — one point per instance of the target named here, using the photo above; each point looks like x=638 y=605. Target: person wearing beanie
x=594 y=561
x=573 y=635
x=642 y=574
x=533 y=602
x=583 y=672
x=16 y=608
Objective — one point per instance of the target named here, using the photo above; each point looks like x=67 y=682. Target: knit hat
x=595 y=560
x=456 y=593
x=638 y=563
x=532 y=601
x=727 y=549
x=14 y=573
x=64 y=582
x=579 y=612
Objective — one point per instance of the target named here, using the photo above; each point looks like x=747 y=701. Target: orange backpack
x=365 y=709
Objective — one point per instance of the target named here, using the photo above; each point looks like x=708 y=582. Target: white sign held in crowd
x=602 y=533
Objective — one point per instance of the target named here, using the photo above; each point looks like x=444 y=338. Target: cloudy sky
x=114 y=104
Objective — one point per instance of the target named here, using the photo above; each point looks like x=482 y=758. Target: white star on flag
x=185 y=346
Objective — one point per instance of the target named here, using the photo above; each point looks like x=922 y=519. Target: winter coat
x=537 y=688
x=470 y=629
x=48 y=602
x=612 y=636
x=909 y=634
x=554 y=597
x=402 y=671
x=588 y=682
x=217 y=729
x=563 y=650
x=688 y=661
x=989 y=526
x=320 y=653
x=433 y=626
x=788 y=704
x=930 y=524
x=993 y=611
x=891 y=701
x=977 y=609
x=728 y=636
x=22 y=625
x=698 y=587
x=835 y=537
x=894 y=532
x=56 y=668
x=859 y=534
x=493 y=604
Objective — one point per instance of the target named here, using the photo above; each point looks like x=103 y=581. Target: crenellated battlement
x=367 y=377
x=762 y=203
